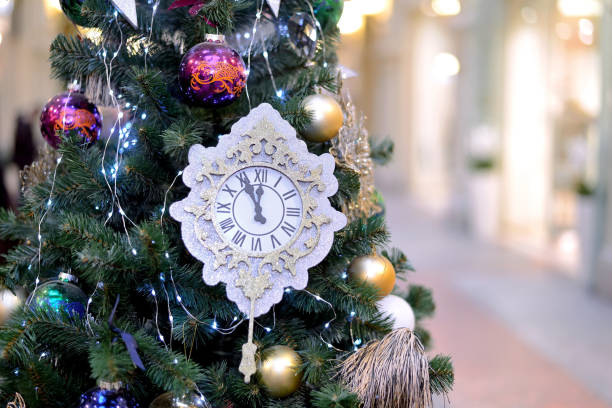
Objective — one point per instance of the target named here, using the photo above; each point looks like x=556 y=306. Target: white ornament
x=275 y=6
x=258 y=214
x=127 y=8
x=397 y=309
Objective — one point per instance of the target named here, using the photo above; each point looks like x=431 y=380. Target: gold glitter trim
x=351 y=149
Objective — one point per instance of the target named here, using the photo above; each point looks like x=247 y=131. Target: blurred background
x=500 y=112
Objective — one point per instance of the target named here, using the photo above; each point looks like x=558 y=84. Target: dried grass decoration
x=390 y=373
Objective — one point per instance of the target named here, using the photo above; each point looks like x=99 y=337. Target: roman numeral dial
x=258 y=210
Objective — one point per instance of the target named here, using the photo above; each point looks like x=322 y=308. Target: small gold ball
x=327 y=118
x=279 y=370
x=374 y=269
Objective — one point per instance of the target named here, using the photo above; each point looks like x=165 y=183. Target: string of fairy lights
x=123 y=131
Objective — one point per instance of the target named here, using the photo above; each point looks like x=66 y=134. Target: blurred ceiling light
x=580 y=8
x=445 y=66
x=586 y=31
x=444 y=7
x=564 y=31
x=352 y=20
x=373 y=7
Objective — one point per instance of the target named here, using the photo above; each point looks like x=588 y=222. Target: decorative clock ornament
x=70 y=111
x=258 y=214
x=212 y=74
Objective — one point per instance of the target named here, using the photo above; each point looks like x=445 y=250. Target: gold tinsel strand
x=390 y=373
x=351 y=149
x=39 y=170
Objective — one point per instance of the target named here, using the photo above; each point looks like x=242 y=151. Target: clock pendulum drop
x=256 y=220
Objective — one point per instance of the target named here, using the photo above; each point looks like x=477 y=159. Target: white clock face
x=258 y=210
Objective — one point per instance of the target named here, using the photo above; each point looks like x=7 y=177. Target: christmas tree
x=115 y=311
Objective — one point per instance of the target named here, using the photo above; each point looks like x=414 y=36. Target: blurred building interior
x=495 y=108
x=498 y=110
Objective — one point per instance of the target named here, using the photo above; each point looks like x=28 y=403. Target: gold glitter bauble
x=327 y=118
x=167 y=400
x=279 y=370
x=375 y=270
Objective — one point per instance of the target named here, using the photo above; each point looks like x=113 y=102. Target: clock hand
x=258 y=216
x=248 y=187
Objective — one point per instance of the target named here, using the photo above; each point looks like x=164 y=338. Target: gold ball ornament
x=8 y=303
x=375 y=270
x=327 y=118
x=279 y=370
x=168 y=400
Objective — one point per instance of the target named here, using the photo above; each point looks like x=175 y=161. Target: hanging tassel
x=17 y=402
x=390 y=373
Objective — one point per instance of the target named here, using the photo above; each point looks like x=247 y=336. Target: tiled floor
x=520 y=335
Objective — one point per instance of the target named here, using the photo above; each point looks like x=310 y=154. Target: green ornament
x=328 y=12
x=72 y=10
x=59 y=295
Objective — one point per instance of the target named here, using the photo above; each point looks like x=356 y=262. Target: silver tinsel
x=351 y=149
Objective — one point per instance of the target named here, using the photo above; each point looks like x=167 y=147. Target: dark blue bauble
x=102 y=398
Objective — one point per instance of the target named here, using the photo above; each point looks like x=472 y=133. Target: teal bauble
x=328 y=12
x=59 y=295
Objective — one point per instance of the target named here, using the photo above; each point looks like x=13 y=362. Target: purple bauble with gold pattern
x=212 y=74
x=67 y=112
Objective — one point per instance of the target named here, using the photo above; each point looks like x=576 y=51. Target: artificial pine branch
x=441 y=374
x=421 y=300
x=381 y=151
